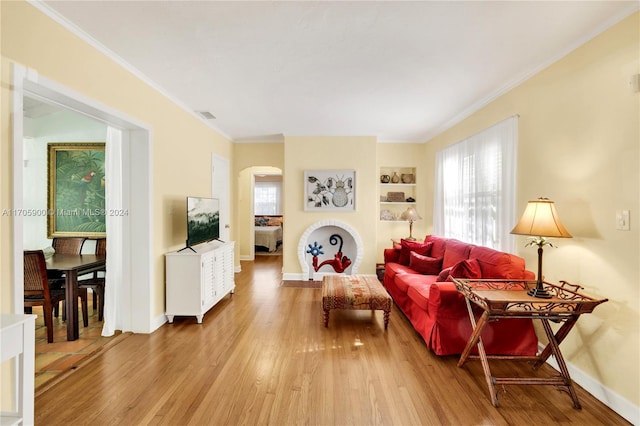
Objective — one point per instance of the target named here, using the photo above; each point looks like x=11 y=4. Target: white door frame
x=221 y=189
x=138 y=276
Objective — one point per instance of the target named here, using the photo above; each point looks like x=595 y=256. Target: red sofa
x=417 y=276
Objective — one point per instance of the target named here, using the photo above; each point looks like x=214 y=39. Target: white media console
x=197 y=278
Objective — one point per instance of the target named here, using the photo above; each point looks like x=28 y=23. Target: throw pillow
x=261 y=221
x=468 y=268
x=444 y=274
x=424 y=265
x=274 y=221
x=406 y=247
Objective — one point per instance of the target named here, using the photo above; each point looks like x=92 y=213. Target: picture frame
x=76 y=190
x=329 y=190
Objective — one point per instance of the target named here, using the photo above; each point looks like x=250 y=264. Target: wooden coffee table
x=354 y=292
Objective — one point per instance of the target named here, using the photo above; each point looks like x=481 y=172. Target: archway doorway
x=247 y=208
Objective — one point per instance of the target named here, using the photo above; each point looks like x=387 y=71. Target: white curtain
x=115 y=225
x=475 y=188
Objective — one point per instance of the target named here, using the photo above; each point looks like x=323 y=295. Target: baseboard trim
x=608 y=397
x=158 y=322
x=293 y=277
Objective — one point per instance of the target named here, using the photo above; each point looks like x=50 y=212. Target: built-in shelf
x=393 y=195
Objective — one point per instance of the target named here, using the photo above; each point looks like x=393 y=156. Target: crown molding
x=73 y=28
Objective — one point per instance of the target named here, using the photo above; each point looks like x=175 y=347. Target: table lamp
x=411 y=215
x=540 y=221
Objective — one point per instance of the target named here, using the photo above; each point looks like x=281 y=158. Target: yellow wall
x=258 y=154
x=37 y=42
x=325 y=153
x=579 y=145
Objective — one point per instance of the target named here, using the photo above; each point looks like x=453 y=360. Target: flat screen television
x=203 y=220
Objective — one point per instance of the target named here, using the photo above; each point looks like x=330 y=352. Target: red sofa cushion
x=404 y=281
x=392 y=269
x=455 y=252
x=468 y=268
x=424 y=264
x=438 y=247
x=497 y=264
x=416 y=246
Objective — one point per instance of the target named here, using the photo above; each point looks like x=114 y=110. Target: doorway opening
x=267 y=213
x=134 y=240
x=260 y=212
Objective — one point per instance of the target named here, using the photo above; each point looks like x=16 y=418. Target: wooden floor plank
x=262 y=356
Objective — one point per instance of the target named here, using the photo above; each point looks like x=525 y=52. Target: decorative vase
x=395 y=178
x=385 y=178
x=407 y=178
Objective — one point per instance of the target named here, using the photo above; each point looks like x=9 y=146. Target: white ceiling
x=401 y=71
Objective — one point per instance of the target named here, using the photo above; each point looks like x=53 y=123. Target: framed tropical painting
x=326 y=190
x=76 y=195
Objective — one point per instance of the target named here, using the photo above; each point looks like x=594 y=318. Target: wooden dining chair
x=68 y=245
x=97 y=281
x=64 y=245
x=36 y=288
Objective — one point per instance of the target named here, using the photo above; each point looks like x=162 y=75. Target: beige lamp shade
x=540 y=219
x=410 y=214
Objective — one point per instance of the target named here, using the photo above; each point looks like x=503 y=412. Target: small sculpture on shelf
x=407 y=178
x=387 y=215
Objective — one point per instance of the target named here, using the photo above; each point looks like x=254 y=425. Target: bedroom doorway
x=247 y=209
x=267 y=214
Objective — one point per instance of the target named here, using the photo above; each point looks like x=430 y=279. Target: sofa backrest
x=497 y=264
x=456 y=251
x=494 y=264
x=438 y=247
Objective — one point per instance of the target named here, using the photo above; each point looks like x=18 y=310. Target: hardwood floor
x=54 y=360
x=262 y=356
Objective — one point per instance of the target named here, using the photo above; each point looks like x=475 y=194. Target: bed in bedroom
x=268 y=233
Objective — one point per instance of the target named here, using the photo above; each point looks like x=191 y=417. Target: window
x=475 y=188
x=267 y=198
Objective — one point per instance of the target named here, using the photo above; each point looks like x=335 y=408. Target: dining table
x=72 y=266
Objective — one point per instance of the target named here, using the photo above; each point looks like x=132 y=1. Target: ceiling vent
x=207 y=115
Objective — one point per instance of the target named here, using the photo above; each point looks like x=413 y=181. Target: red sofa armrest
x=445 y=299
x=391 y=255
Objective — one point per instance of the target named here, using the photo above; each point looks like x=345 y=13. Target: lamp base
x=409 y=239
x=539 y=292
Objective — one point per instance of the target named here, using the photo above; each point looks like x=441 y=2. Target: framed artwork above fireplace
x=329 y=190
